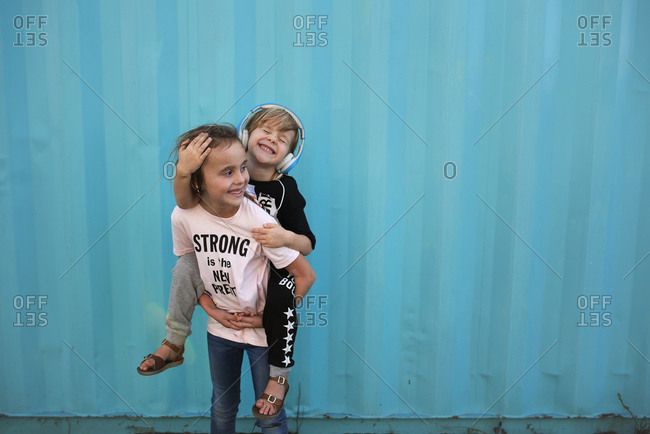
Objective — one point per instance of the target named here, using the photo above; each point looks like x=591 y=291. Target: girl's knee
x=225 y=403
x=224 y=412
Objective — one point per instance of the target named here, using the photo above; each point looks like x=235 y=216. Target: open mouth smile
x=266 y=149
x=236 y=193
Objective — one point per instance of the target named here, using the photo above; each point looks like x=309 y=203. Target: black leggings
x=279 y=319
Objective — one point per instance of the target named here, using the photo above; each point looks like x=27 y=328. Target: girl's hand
x=271 y=235
x=192 y=154
x=227 y=319
x=248 y=319
x=224 y=318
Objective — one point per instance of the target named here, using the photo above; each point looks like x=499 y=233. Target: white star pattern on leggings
x=289 y=338
x=287 y=349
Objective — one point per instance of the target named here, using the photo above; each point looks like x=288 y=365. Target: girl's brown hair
x=221 y=134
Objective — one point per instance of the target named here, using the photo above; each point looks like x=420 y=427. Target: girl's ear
x=195 y=185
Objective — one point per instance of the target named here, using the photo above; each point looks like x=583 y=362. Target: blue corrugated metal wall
x=476 y=175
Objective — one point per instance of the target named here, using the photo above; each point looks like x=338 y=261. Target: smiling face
x=268 y=145
x=225 y=177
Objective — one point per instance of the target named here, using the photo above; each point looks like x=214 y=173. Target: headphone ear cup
x=285 y=163
x=243 y=137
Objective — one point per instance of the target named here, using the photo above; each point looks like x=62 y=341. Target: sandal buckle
x=281 y=380
x=274 y=399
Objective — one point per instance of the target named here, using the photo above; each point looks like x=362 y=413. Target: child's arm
x=190 y=158
x=303 y=276
x=294 y=231
x=226 y=319
x=272 y=235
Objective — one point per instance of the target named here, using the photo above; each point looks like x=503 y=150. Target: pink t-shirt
x=234 y=267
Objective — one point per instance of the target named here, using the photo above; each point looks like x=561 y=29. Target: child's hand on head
x=271 y=235
x=192 y=154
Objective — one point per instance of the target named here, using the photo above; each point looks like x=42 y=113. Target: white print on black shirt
x=268 y=204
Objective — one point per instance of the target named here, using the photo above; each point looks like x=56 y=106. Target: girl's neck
x=225 y=211
x=261 y=173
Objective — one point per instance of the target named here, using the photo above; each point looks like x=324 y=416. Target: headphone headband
x=290 y=160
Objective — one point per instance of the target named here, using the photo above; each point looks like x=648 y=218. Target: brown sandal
x=159 y=365
x=276 y=402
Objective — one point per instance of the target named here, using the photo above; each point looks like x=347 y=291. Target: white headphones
x=290 y=160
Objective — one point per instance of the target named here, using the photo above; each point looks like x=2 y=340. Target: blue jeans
x=225 y=369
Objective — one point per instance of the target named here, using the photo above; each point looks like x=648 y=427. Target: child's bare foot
x=274 y=388
x=166 y=356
